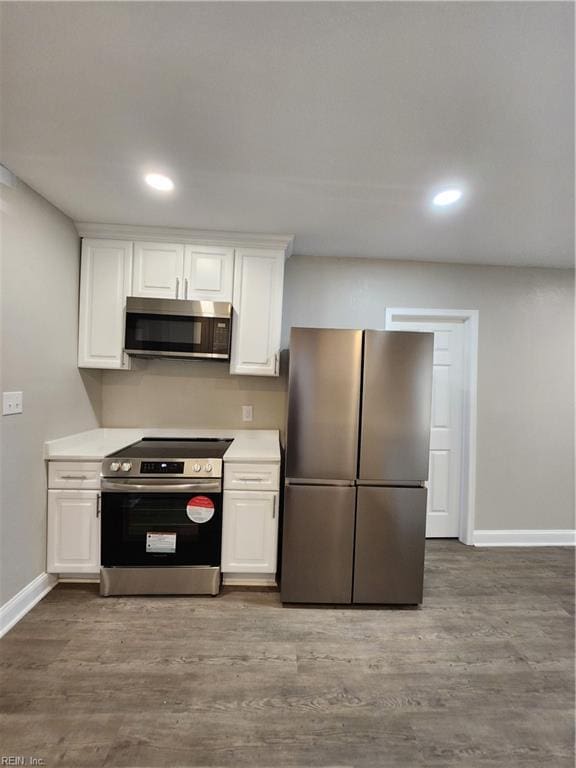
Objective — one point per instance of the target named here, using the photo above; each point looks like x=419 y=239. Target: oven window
x=170 y=333
x=148 y=513
x=156 y=529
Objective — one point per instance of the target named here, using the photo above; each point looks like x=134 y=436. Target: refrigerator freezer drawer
x=318 y=544
x=389 y=547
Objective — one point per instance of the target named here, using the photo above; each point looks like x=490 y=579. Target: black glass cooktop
x=175 y=448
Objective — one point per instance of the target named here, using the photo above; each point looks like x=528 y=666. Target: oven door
x=152 y=523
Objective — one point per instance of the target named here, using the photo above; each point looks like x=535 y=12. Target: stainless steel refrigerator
x=356 y=463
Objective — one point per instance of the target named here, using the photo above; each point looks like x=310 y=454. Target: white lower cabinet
x=73 y=532
x=249 y=532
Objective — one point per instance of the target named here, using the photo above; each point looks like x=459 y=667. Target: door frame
x=470 y=323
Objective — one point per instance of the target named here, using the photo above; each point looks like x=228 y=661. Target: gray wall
x=525 y=447
x=525 y=390
x=39 y=328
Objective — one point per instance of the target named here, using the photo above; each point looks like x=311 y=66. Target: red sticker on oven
x=200 y=509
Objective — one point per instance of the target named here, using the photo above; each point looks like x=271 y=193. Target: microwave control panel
x=221 y=336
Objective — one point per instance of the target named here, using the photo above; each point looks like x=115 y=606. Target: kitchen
x=291 y=239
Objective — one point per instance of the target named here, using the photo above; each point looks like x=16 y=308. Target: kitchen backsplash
x=174 y=393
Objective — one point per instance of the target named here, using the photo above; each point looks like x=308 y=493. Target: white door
x=249 y=532
x=208 y=273
x=256 y=325
x=73 y=532
x=158 y=270
x=105 y=278
x=445 y=469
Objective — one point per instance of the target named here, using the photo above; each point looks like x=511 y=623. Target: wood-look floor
x=480 y=676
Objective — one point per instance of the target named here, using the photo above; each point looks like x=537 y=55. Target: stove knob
x=197 y=467
x=126 y=466
x=208 y=468
x=115 y=466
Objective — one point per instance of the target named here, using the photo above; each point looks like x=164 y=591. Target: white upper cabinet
x=246 y=270
x=208 y=273
x=158 y=270
x=256 y=325
x=105 y=279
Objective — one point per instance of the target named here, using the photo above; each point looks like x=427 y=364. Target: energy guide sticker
x=160 y=542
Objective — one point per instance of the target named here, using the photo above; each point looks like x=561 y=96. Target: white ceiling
x=331 y=121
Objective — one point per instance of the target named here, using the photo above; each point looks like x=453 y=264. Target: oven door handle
x=131 y=486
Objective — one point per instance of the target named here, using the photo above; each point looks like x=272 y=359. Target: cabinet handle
x=177 y=286
x=73 y=477
x=99 y=505
x=185 y=287
x=274 y=508
x=275 y=363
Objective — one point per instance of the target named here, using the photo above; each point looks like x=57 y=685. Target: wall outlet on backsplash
x=247 y=412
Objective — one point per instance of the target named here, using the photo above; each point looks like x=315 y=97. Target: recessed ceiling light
x=159 y=181
x=447 y=197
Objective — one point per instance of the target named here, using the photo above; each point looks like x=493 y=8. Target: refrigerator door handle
x=316 y=481
x=392 y=483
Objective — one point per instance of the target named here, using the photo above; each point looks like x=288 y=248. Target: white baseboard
x=249 y=579
x=78 y=578
x=19 y=605
x=525 y=538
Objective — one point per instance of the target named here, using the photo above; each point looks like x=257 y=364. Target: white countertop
x=248 y=444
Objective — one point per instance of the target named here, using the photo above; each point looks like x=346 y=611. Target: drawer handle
x=74 y=477
x=251 y=479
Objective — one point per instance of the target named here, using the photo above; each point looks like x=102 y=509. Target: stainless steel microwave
x=176 y=328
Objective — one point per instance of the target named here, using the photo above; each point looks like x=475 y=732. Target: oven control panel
x=162 y=467
x=159 y=467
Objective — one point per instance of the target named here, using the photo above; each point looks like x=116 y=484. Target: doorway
x=452 y=468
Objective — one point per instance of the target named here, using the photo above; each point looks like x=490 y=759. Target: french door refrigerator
x=356 y=463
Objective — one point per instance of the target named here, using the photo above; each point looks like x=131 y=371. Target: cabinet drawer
x=74 y=474
x=251 y=477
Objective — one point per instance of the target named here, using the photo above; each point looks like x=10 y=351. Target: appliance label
x=200 y=509
x=160 y=542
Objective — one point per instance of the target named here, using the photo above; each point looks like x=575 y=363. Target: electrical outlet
x=11 y=403
x=247 y=412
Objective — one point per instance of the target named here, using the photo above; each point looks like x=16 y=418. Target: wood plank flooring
x=480 y=676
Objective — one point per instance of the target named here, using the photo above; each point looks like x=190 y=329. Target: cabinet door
x=249 y=532
x=389 y=545
x=73 y=532
x=208 y=273
x=258 y=283
x=104 y=284
x=158 y=270
x=318 y=544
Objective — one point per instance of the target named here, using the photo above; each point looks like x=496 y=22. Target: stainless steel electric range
x=162 y=517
